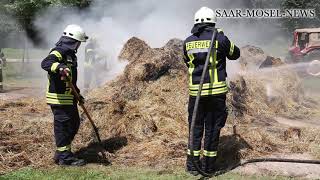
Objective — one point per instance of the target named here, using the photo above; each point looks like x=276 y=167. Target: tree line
x=18 y=15
x=24 y=13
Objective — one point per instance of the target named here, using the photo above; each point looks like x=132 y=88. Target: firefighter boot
x=209 y=164
x=66 y=158
x=190 y=168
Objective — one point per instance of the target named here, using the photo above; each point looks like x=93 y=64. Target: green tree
x=25 y=11
x=7 y=23
x=290 y=24
x=18 y=15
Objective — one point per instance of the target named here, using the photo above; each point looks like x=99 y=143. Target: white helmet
x=75 y=32
x=205 y=15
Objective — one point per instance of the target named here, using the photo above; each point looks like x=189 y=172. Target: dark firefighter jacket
x=196 y=48
x=58 y=91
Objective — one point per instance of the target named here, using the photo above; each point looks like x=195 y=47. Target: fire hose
x=212 y=49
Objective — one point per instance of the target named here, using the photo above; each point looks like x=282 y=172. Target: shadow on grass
x=93 y=152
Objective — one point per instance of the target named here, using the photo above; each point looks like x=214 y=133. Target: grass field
x=119 y=173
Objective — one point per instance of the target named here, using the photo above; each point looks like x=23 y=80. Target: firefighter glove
x=64 y=72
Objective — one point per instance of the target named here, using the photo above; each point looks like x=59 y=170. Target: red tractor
x=306 y=45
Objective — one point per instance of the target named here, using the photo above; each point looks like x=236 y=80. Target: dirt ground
x=15 y=93
x=305 y=171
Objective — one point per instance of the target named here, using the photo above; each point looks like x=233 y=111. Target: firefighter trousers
x=211 y=117
x=66 y=126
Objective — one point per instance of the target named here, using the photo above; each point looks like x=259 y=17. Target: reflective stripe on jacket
x=58 y=91
x=196 y=48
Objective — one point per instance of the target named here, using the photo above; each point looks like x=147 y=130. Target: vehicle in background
x=306 y=45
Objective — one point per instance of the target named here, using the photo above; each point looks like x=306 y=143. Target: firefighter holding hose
x=212 y=110
x=61 y=65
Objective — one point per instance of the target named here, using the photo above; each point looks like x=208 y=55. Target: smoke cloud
x=113 y=22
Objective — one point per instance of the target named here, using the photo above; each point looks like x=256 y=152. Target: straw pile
x=262 y=91
x=25 y=134
x=142 y=114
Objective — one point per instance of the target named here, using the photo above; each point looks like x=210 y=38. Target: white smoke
x=113 y=22
x=150 y=20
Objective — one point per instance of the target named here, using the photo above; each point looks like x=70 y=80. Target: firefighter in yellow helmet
x=212 y=111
